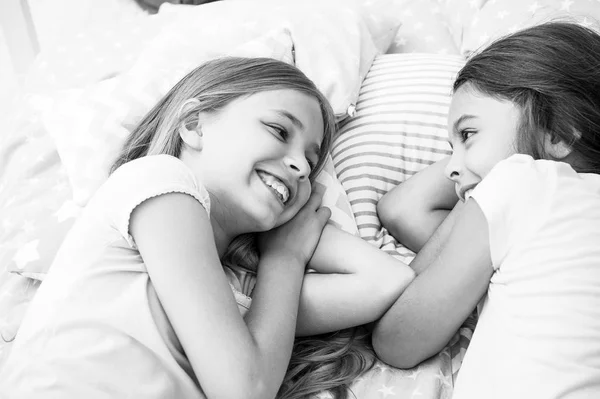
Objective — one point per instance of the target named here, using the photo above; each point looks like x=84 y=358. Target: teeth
x=276 y=184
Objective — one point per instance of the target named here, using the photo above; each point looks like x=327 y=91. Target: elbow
x=248 y=386
x=256 y=390
x=396 y=349
x=389 y=213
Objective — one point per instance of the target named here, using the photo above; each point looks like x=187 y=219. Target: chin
x=269 y=219
x=265 y=223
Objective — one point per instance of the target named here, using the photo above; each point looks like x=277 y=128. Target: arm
x=453 y=274
x=355 y=284
x=175 y=238
x=414 y=209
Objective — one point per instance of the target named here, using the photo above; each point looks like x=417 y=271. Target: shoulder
x=155 y=166
x=527 y=166
x=154 y=175
x=525 y=174
x=150 y=177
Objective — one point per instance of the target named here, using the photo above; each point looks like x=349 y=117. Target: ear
x=192 y=138
x=556 y=148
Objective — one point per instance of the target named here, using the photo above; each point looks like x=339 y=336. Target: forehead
x=467 y=100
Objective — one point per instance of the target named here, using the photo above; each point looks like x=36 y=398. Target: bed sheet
x=33 y=190
x=36 y=199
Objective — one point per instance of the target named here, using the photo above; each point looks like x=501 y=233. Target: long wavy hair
x=552 y=73
x=328 y=362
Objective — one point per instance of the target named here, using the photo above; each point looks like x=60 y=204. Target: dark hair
x=552 y=73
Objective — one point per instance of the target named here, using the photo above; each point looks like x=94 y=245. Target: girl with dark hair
x=149 y=296
x=524 y=237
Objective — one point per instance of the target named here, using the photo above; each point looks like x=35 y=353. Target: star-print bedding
x=37 y=206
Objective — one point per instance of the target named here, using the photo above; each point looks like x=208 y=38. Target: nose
x=298 y=165
x=453 y=169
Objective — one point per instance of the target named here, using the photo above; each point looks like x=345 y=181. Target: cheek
x=480 y=162
x=483 y=160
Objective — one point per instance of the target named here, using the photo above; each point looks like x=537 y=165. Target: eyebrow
x=295 y=121
x=460 y=120
x=298 y=123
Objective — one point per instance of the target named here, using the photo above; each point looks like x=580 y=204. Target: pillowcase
x=498 y=18
x=424 y=29
x=89 y=125
x=36 y=206
x=98 y=39
x=335 y=50
x=399 y=128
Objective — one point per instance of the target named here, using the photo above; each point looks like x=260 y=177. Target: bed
x=386 y=66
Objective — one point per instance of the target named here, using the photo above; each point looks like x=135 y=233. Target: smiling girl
x=524 y=126
x=138 y=303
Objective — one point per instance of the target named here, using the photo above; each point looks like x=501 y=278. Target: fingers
x=316 y=197
x=314 y=203
x=323 y=214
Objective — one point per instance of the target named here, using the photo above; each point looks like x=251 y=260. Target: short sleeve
x=513 y=197
x=144 y=178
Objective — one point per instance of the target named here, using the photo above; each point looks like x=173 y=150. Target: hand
x=299 y=237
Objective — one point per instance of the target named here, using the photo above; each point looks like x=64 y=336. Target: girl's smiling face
x=483 y=131
x=258 y=152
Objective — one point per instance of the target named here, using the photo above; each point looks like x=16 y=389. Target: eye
x=279 y=131
x=465 y=134
x=311 y=163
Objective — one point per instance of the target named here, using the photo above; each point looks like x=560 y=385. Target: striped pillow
x=399 y=128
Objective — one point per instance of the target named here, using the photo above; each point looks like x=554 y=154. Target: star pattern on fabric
x=400 y=41
x=497 y=18
x=27 y=226
x=502 y=14
x=68 y=210
x=416 y=392
x=26 y=254
x=566 y=5
x=387 y=391
x=382 y=367
x=587 y=23
x=444 y=379
x=324 y=395
x=414 y=373
x=416 y=35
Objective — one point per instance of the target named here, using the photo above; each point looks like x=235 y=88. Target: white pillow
x=89 y=125
x=329 y=41
x=499 y=18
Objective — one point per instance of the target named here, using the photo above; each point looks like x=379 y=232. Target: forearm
x=397 y=332
x=355 y=284
x=413 y=232
x=413 y=210
x=271 y=319
x=432 y=248
x=431 y=310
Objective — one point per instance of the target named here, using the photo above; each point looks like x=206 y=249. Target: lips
x=276 y=185
x=464 y=193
